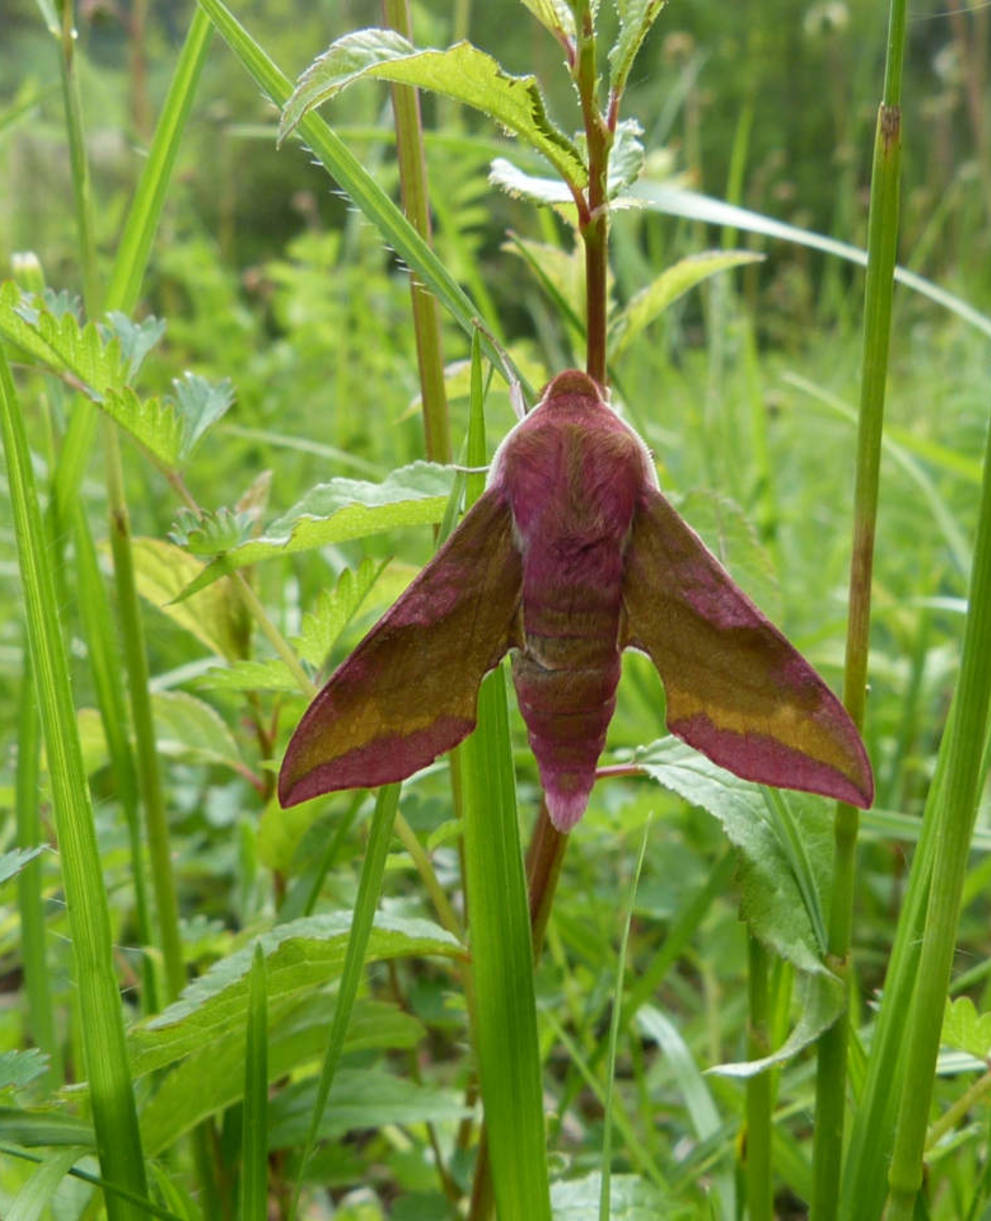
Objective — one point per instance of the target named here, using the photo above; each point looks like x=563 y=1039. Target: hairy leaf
x=462 y=72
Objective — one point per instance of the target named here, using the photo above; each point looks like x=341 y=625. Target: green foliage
x=289 y=282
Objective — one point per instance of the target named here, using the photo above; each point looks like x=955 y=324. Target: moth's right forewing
x=736 y=689
x=408 y=692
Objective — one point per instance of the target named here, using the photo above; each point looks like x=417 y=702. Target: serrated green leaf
x=965 y=1029
x=821 y=1001
x=553 y=15
x=516 y=182
x=340 y=510
x=635 y=19
x=200 y=404
x=191 y=729
x=626 y=157
x=270 y=675
x=211 y=1079
x=211 y=531
x=59 y=342
x=672 y=283
x=162 y=570
x=136 y=338
x=462 y=72
x=153 y=422
x=12 y=863
x=774 y=894
x=333 y=611
x=300 y=955
x=361 y=1098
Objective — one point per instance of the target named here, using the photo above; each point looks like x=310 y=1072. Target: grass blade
x=114 y=1114
x=254 y=1131
x=502 y=964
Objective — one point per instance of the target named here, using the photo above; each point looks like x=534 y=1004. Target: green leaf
x=189 y=728
x=101 y=360
x=672 y=283
x=136 y=338
x=12 y=863
x=53 y=335
x=272 y=674
x=779 y=886
x=821 y=1001
x=333 y=610
x=18 y=1068
x=553 y=15
x=162 y=570
x=210 y=1079
x=630 y=1199
x=300 y=955
x=965 y=1029
x=462 y=72
x=635 y=19
x=362 y=1098
x=521 y=185
x=340 y=510
x=626 y=157
x=44 y=1127
x=37 y=1194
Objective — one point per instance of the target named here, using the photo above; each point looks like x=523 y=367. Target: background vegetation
x=746 y=391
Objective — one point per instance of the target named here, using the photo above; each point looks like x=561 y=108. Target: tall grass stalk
x=101 y=1019
x=882 y=245
x=416 y=205
x=30 y=902
x=955 y=825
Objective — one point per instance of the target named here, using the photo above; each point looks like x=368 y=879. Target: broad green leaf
x=630 y=1199
x=211 y=531
x=334 y=609
x=775 y=886
x=210 y=1079
x=272 y=674
x=672 y=283
x=189 y=728
x=635 y=19
x=162 y=570
x=628 y=165
x=821 y=1001
x=462 y=72
x=12 y=863
x=341 y=510
x=553 y=15
x=300 y=955
x=199 y=404
x=18 y=1068
x=361 y=1098
x=965 y=1029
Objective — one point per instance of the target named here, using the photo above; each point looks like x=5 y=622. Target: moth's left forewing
x=736 y=689
x=408 y=691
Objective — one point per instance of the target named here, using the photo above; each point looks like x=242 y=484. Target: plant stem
x=149 y=771
x=760 y=1200
x=102 y=1028
x=881 y=251
x=956 y=823
x=594 y=225
x=415 y=193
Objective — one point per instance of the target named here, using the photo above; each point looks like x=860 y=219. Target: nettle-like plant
x=567 y=555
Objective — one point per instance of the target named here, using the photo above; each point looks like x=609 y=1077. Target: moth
x=570 y=556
